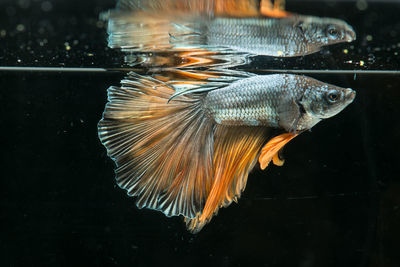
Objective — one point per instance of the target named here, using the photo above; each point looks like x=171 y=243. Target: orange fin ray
x=235 y=154
x=276 y=10
x=270 y=150
x=200 y=75
x=277 y=160
x=198 y=57
x=232 y=8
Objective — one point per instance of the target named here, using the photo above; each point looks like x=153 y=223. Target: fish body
x=287 y=101
x=284 y=37
x=192 y=155
x=294 y=35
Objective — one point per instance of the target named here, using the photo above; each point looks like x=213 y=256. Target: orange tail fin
x=163 y=150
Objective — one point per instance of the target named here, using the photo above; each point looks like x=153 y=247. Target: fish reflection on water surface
x=192 y=155
x=156 y=27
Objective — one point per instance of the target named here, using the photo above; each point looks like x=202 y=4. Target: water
x=335 y=202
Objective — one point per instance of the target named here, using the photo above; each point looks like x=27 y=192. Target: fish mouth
x=350 y=36
x=350 y=94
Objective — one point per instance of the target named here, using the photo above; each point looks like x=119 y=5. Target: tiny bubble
x=3 y=33
x=362 y=5
x=99 y=24
x=67 y=46
x=346 y=51
x=47 y=6
x=369 y=38
x=20 y=27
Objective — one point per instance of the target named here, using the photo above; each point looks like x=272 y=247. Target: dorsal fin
x=230 y=8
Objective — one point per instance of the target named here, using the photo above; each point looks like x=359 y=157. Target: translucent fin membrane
x=163 y=150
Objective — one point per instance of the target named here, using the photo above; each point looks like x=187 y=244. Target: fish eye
x=333 y=33
x=333 y=96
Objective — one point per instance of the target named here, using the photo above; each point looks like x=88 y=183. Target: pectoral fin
x=270 y=150
x=289 y=115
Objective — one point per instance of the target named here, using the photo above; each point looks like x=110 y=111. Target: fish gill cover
x=185 y=135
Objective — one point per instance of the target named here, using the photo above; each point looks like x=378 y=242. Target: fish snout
x=349 y=94
x=350 y=35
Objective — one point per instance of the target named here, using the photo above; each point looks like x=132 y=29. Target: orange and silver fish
x=163 y=25
x=192 y=154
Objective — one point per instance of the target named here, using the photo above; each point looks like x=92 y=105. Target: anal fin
x=235 y=154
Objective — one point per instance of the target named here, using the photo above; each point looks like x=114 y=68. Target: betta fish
x=190 y=154
x=280 y=37
x=163 y=25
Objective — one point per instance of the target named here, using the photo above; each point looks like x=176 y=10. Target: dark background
x=335 y=202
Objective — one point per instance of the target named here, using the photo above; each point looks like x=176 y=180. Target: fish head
x=322 y=101
x=320 y=32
